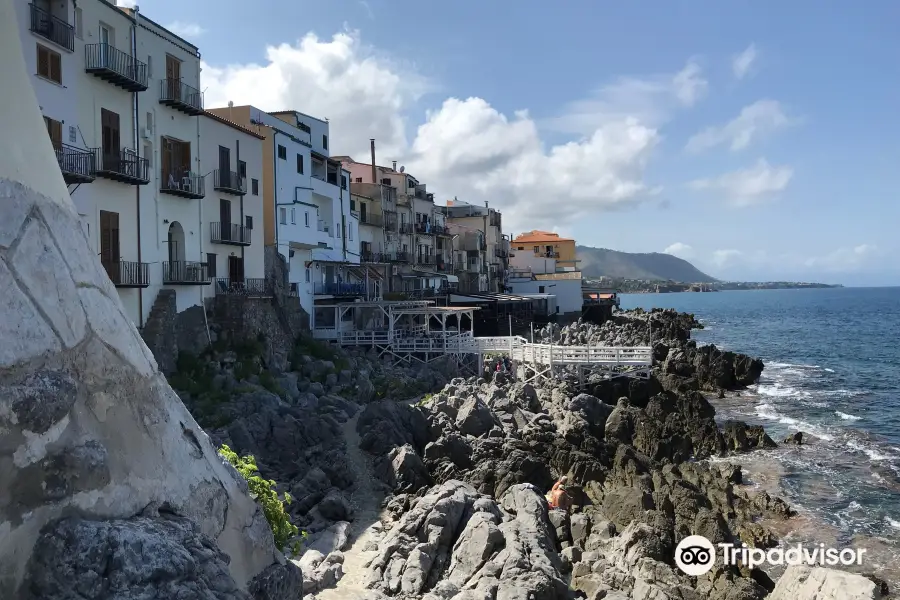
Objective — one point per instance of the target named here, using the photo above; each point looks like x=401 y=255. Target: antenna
x=402 y=168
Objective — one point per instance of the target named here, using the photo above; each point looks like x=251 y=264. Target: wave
x=893 y=523
x=784 y=365
x=846 y=416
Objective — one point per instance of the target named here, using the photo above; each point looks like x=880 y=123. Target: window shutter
x=55 y=67
x=43 y=62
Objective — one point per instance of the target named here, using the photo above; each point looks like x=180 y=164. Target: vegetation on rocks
x=263 y=491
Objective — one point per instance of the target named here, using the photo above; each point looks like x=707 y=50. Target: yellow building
x=545 y=244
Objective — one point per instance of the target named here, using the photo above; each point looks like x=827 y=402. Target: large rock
x=89 y=425
x=819 y=583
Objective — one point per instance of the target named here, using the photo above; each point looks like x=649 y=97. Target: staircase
x=159 y=331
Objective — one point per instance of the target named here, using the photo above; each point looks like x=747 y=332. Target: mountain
x=597 y=262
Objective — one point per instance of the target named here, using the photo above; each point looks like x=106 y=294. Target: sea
x=832 y=371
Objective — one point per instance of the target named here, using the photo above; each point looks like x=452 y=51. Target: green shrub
x=263 y=491
x=267 y=380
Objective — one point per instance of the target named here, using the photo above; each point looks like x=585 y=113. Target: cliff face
x=94 y=444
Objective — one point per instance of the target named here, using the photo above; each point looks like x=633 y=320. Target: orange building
x=547 y=245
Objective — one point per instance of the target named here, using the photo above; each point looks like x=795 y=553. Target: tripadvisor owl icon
x=695 y=555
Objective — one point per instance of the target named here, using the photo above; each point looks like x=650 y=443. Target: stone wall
x=159 y=332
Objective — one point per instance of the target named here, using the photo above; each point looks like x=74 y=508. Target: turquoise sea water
x=832 y=361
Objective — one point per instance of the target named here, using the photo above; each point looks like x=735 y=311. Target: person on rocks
x=558 y=497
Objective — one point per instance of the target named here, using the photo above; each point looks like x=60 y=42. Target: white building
x=306 y=203
x=533 y=274
x=232 y=211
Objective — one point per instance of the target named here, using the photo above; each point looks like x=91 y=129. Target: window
x=300 y=163
x=282 y=215
x=325 y=142
x=352 y=204
x=540 y=289
x=248 y=221
x=254 y=187
x=385 y=181
x=282 y=152
x=308 y=275
x=242 y=169
x=344 y=181
x=49 y=64
x=54 y=128
x=73 y=135
x=150 y=121
x=306 y=218
x=293 y=216
x=150 y=66
x=211 y=264
x=175 y=161
x=79 y=24
x=359 y=180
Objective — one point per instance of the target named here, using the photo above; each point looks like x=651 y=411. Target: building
x=306 y=205
x=417 y=254
x=232 y=210
x=493 y=249
x=543 y=263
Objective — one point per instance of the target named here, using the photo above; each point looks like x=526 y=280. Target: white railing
x=365 y=338
x=580 y=355
x=499 y=344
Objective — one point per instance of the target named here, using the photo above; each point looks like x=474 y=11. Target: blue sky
x=757 y=139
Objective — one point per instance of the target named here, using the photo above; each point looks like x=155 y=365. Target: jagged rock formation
x=88 y=426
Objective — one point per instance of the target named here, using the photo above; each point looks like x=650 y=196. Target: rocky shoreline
x=410 y=483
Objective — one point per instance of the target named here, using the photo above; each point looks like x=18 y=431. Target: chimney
x=395 y=165
x=374 y=173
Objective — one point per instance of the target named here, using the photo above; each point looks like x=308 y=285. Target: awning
x=452 y=278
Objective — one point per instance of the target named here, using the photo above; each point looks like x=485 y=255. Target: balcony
x=229 y=233
x=340 y=289
x=249 y=287
x=374 y=257
x=444 y=267
x=373 y=219
x=399 y=257
x=185 y=272
x=425 y=259
x=180 y=96
x=424 y=228
x=77 y=165
x=52 y=28
x=186 y=186
x=324 y=227
x=123 y=165
x=407 y=228
x=546 y=254
x=440 y=230
x=116 y=67
x=127 y=274
x=501 y=253
x=229 y=182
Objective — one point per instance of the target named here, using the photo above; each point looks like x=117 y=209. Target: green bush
x=263 y=491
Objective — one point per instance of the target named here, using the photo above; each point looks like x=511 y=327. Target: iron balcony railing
x=181 y=96
x=407 y=228
x=122 y=165
x=340 y=289
x=424 y=228
x=53 y=28
x=375 y=257
x=230 y=182
x=249 y=286
x=445 y=267
x=127 y=274
x=402 y=257
x=423 y=259
x=186 y=186
x=439 y=230
x=77 y=164
x=185 y=272
x=545 y=254
x=107 y=62
x=374 y=219
x=229 y=233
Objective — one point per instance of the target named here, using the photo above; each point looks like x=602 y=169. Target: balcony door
x=173 y=77
x=362 y=212
x=225 y=218
x=111 y=134
x=176 y=162
x=110 y=249
x=105 y=40
x=224 y=166
x=235 y=269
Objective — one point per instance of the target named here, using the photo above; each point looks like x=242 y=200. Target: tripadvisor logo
x=695 y=555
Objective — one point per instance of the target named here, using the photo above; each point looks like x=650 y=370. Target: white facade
x=567 y=291
x=232 y=240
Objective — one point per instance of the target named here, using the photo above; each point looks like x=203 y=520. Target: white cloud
x=680 y=250
x=741 y=63
x=724 y=258
x=689 y=84
x=185 y=30
x=368 y=9
x=760 y=119
x=844 y=259
x=465 y=148
x=746 y=187
x=363 y=95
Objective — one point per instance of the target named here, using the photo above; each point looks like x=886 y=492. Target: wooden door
x=225 y=218
x=173 y=77
x=235 y=269
x=224 y=166
x=168 y=174
x=110 y=249
x=362 y=212
x=54 y=128
x=109 y=122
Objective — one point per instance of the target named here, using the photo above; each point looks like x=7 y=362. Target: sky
x=758 y=140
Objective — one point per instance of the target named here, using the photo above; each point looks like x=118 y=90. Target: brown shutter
x=55 y=67
x=43 y=62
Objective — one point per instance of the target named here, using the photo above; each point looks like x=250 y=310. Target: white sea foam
x=892 y=522
x=874 y=455
x=846 y=416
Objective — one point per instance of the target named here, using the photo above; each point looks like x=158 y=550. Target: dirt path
x=366 y=502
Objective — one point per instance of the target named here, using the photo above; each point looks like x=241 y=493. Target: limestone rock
x=819 y=583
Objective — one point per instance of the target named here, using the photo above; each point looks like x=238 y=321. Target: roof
x=567 y=275
x=490 y=297
x=232 y=124
x=540 y=236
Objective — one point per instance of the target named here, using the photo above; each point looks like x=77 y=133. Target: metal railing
x=341 y=289
x=106 y=57
x=185 y=185
x=229 y=181
x=122 y=164
x=75 y=161
x=125 y=273
x=250 y=287
x=374 y=257
x=175 y=91
x=374 y=219
x=229 y=233
x=423 y=259
x=402 y=257
x=407 y=228
x=185 y=272
x=439 y=230
x=53 y=28
x=545 y=254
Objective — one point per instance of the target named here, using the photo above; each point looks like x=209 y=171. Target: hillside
x=597 y=262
